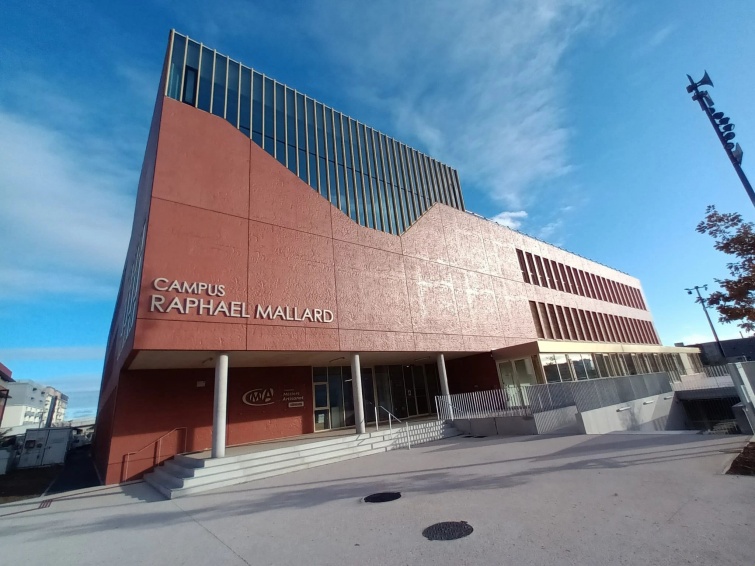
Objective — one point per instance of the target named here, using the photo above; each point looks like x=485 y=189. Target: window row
x=555 y=322
x=573 y=367
x=560 y=277
x=377 y=181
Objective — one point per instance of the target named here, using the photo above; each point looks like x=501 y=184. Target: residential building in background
x=32 y=404
x=336 y=272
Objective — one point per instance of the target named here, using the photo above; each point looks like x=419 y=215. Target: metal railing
x=157 y=443
x=524 y=401
x=591 y=394
x=717 y=371
x=511 y=402
x=703 y=381
x=390 y=428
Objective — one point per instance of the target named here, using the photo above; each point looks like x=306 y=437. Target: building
x=293 y=270
x=734 y=350
x=32 y=404
x=5 y=377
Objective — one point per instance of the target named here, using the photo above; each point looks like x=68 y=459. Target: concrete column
x=444 y=382
x=356 y=382
x=221 y=399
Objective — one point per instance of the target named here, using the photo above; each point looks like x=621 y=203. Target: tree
x=735 y=302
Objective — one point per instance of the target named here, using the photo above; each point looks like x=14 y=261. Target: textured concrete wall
x=225 y=212
x=558 y=421
x=658 y=412
x=153 y=403
x=500 y=426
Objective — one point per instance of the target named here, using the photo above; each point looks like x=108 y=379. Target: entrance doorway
x=516 y=376
x=404 y=391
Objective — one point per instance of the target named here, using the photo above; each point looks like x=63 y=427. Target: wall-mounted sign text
x=266 y=396
x=293 y=397
x=217 y=306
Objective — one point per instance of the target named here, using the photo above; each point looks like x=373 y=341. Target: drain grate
x=449 y=530
x=382 y=497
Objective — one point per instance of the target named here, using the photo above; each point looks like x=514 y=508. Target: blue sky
x=567 y=119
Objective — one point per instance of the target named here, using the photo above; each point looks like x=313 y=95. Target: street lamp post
x=705 y=310
x=723 y=127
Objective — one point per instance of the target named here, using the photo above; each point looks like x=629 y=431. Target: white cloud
x=655 y=40
x=65 y=215
x=546 y=232
x=476 y=83
x=511 y=220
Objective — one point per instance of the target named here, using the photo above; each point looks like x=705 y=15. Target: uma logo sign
x=258 y=397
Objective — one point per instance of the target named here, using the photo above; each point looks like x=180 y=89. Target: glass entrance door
x=320 y=395
x=368 y=395
x=405 y=391
x=516 y=376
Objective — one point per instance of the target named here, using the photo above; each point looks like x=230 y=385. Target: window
x=550 y=368
x=577 y=325
x=522 y=266
x=280 y=124
x=572 y=280
x=577 y=366
x=232 y=94
x=564 y=279
x=545 y=320
x=218 y=89
x=565 y=323
x=544 y=280
x=549 y=273
x=536 y=320
x=554 y=322
x=603 y=363
x=534 y=278
x=176 y=66
x=190 y=85
x=245 y=104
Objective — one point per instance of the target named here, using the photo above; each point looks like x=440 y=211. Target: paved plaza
x=583 y=500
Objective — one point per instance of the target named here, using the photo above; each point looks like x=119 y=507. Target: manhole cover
x=449 y=530
x=382 y=497
x=479 y=437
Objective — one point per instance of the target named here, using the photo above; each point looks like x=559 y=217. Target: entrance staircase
x=188 y=474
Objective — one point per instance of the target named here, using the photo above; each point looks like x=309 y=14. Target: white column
x=444 y=382
x=356 y=382
x=221 y=398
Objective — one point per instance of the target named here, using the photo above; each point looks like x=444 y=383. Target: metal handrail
x=390 y=415
x=406 y=426
x=127 y=456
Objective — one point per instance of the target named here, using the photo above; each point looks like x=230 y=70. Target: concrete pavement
x=613 y=499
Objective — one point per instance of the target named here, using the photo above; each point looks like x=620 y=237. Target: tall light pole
x=705 y=310
x=723 y=127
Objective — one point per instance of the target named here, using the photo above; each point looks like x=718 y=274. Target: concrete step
x=189 y=474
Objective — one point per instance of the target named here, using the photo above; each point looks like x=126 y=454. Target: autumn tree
x=735 y=302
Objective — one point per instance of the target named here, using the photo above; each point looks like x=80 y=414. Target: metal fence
x=717 y=371
x=703 y=382
x=511 y=402
x=707 y=400
x=596 y=393
x=519 y=401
